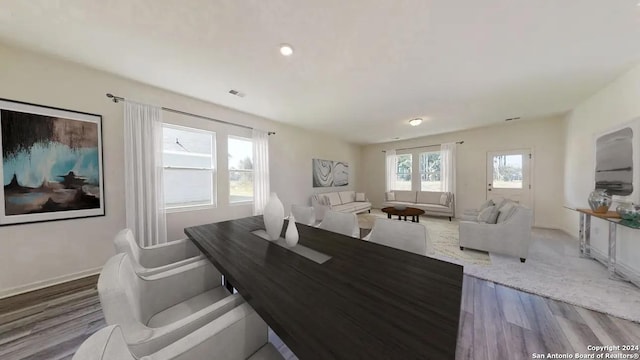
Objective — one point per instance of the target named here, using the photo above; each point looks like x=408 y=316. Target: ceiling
x=361 y=68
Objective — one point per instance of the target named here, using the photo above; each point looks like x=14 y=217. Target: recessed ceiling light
x=286 y=50
x=415 y=122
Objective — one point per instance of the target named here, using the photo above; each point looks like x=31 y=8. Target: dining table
x=332 y=296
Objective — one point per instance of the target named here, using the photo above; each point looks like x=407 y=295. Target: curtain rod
x=418 y=147
x=117 y=99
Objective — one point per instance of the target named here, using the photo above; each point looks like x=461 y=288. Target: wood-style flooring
x=496 y=322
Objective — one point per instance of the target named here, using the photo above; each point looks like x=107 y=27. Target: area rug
x=553 y=269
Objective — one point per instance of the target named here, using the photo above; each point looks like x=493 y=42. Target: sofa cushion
x=484 y=214
x=434 y=208
x=408 y=196
x=428 y=197
x=334 y=198
x=343 y=208
x=361 y=205
x=394 y=203
x=347 y=196
x=444 y=199
x=360 y=197
x=390 y=196
x=486 y=204
x=493 y=218
x=506 y=211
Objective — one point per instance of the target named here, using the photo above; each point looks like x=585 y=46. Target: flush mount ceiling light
x=286 y=49
x=415 y=122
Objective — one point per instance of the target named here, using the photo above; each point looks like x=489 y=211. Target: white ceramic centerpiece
x=291 y=235
x=273 y=217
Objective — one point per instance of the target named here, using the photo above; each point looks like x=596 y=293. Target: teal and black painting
x=49 y=164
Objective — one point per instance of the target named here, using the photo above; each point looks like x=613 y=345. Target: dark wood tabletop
x=368 y=301
x=409 y=211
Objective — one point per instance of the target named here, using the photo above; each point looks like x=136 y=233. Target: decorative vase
x=599 y=201
x=628 y=211
x=273 y=217
x=291 y=235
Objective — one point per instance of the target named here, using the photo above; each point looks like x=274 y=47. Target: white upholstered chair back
x=239 y=334
x=106 y=344
x=126 y=243
x=157 y=258
x=304 y=214
x=342 y=223
x=403 y=235
x=131 y=300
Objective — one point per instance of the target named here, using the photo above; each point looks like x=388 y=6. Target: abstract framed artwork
x=328 y=173
x=51 y=164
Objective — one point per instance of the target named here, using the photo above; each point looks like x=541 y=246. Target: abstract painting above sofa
x=329 y=173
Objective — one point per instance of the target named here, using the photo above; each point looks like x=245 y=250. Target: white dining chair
x=304 y=214
x=237 y=335
x=342 y=223
x=158 y=258
x=403 y=235
x=157 y=310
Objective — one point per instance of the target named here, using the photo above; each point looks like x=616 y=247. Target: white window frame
x=411 y=172
x=252 y=171
x=213 y=170
x=428 y=172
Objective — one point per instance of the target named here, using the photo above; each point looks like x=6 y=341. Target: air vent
x=236 y=93
x=512 y=119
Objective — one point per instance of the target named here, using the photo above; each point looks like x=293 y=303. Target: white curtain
x=261 y=186
x=448 y=167
x=392 y=168
x=144 y=191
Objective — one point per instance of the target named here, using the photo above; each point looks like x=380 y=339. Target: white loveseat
x=343 y=201
x=434 y=203
x=511 y=235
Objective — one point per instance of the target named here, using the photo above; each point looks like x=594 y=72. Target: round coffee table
x=409 y=211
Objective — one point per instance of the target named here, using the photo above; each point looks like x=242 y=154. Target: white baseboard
x=5 y=293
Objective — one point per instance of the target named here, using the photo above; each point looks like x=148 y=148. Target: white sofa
x=434 y=203
x=343 y=201
x=511 y=235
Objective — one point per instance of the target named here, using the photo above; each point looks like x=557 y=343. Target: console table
x=585 y=236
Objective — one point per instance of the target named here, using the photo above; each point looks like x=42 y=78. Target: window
x=240 y=170
x=507 y=171
x=430 y=171
x=189 y=172
x=403 y=173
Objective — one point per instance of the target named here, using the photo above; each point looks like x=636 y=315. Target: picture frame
x=329 y=173
x=51 y=165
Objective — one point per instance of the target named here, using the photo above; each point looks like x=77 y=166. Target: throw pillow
x=506 y=211
x=391 y=196
x=484 y=215
x=360 y=197
x=487 y=204
x=325 y=200
x=493 y=218
x=444 y=199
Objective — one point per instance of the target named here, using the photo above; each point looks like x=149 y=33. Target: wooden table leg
x=388 y=215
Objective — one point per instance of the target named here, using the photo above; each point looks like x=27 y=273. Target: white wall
x=544 y=137
x=610 y=108
x=34 y=255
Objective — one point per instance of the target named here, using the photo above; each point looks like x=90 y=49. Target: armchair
x=510 y=236
x=158 y=258
x=157 y=310
x=411 y=237
x=238 y=334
